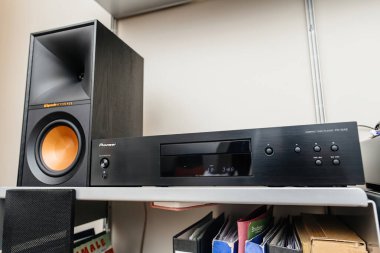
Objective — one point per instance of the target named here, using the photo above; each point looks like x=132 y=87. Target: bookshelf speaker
x=83 y=83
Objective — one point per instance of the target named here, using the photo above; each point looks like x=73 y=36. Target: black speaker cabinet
x=83 y=83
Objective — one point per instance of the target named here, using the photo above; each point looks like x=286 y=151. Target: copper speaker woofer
x=58 y=147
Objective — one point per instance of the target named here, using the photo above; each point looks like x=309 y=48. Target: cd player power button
x=104 y=163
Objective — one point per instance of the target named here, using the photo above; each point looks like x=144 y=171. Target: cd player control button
x=297 y=149
x=212 y=170
x=317 y=148
x=336 y=162
x=104 y=174
x=318 y=162
x=104 y=163
x=269 y=151
x=334 y=147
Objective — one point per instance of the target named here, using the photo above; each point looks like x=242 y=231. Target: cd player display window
x=205 y=159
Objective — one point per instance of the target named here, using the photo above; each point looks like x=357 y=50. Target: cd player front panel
x=311 y=155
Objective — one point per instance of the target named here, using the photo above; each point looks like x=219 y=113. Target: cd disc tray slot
x=202 y=159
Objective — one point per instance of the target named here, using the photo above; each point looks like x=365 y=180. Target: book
x=83 y=235
x=252 y=225
x=100 y=243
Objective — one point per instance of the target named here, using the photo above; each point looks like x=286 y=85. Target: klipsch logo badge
x=107 y=144
x=58 y=104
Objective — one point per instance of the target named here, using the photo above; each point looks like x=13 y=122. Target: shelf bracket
x=107 y=223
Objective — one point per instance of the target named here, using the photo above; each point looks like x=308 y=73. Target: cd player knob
x=297 y=149
x=269 y=151
x=317 y=148
x=334 y=147
x=318 y=162
x=104 y=163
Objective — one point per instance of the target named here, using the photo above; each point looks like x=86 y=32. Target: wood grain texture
x=118 y=88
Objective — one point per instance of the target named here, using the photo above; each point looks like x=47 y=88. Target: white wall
x=349 y=43
x=218 y=65
x=19 y=18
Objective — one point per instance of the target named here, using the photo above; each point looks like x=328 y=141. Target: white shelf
x=318 y=196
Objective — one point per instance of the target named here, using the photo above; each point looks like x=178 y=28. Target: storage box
x=327 y=234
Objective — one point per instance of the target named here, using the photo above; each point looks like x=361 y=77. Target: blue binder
x=224 y=247
x=257 y=244
x=219 y=246
x=254 y=245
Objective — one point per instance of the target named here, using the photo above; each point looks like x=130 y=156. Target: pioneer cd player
x=308 y=155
